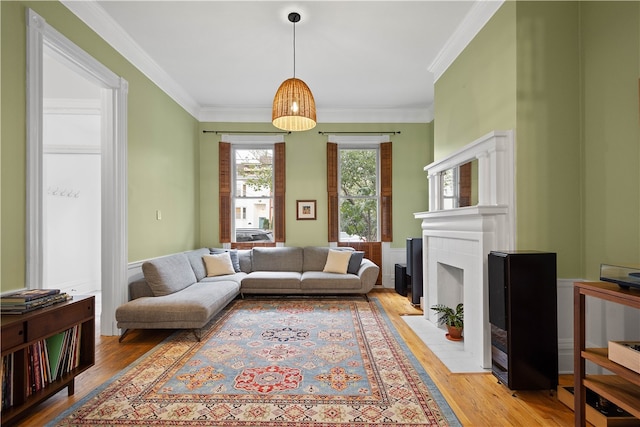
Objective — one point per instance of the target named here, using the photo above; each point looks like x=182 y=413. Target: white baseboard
x=565 y=325
x=391 y=257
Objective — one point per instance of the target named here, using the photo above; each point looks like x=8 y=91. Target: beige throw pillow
x=218 y=264
x=337 y=262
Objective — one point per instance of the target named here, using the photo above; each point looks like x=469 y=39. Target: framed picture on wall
x=305 y=209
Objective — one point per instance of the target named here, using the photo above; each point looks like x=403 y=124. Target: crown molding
x=478 y=16
x=324 y=115
x=376 y=115
x=94 y=16
x=90 y=12
x=235 y=114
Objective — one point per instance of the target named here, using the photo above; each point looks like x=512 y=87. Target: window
x=244 y=189
x=358 y=194
x=241 y=213
x=359 y=189
x=252 y=196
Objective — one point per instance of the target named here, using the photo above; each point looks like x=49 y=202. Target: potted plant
x=453 y=319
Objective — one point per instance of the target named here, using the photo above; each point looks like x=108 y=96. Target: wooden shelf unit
x=622 y=388
x=21 y=331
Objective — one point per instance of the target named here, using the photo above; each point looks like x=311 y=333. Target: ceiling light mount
x=294 y=17
x=294 y=108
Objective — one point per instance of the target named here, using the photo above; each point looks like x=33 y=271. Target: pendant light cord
x=294 y=50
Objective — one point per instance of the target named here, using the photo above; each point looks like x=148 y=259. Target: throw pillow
x=337 y=262
x=169 y=274
x=218 y=264
x=355 y=261
x=233 y=253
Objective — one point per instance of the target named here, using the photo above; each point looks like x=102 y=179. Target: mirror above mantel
x=479 y=174
x=460 y=185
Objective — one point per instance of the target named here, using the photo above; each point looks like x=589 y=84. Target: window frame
x=385 y=177
x=234 y=186
x=377 y=197
x=225 y=182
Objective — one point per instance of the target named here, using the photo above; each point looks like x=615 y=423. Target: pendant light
x=294 y=108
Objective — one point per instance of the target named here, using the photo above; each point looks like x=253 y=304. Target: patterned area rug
x=274 y=362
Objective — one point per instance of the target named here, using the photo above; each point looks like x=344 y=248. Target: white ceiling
x=365 y=61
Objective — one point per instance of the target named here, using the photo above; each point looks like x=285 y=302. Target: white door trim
x=114 y=163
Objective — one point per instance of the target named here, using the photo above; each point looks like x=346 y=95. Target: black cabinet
x=401 y=279
x=523 y=317
x=414 y=268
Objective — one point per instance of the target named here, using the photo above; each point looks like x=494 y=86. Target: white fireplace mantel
x=463 y=237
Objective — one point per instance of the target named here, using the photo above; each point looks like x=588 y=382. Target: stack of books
x=31 y=299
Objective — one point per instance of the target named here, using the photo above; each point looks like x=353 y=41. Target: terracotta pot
x=455 y=333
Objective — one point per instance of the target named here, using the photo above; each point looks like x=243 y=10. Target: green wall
x=611 y=63
x=306 y=178
x=162 y=147
x=548 y=160
x=477 y=93
x=564 y=76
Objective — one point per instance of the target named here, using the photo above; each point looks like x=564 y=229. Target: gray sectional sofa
x=176 y=292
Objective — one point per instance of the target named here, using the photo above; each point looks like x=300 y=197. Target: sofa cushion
x=197 y=264
x=138 y=289
x=235 y=277
x=271 y=281
x=277 y=259
x=191 y=307
x=168 y=274
x=233 y=253
x=355 y=261
x=319 y=282
x=244 y=257
x=337 y=262
x=218 y=264
x=315 y=257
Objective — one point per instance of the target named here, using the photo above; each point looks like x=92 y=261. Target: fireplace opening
x=450 y=281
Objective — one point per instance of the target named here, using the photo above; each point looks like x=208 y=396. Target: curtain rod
x=393 y=132
x=249 y=132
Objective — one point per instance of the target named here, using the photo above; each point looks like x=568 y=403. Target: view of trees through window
x=358 y=195
x=253 y=197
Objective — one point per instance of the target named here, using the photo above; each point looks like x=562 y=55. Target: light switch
x=158 y=215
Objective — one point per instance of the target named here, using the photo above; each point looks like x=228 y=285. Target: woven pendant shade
x=294 y=108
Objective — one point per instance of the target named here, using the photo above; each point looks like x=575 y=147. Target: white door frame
x=113 y=170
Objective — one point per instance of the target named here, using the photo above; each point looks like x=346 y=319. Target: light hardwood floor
x=476 y=399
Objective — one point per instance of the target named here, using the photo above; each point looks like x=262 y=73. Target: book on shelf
x=54 y=347
x=47 y=360
x=63 y=352
x=28 y=295
x=7 y=383
x=36 y=367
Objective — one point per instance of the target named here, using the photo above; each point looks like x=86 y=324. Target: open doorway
x=71 y=140
x=78 y=150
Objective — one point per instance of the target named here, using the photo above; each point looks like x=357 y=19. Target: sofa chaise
x=185 y=290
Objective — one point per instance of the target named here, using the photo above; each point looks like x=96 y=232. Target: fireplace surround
x=457 y=241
